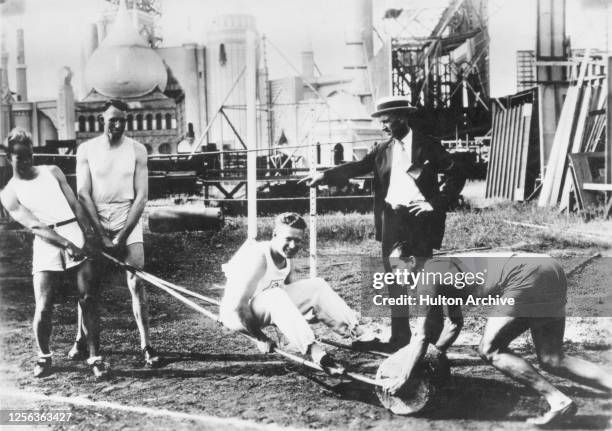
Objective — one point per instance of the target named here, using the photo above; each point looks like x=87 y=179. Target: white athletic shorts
x=47 y=257
x=113 y=216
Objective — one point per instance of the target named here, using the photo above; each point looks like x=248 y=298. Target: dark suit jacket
x=428 y=159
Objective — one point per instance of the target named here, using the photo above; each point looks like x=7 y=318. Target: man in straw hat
x=410 y=203
x=519 y=292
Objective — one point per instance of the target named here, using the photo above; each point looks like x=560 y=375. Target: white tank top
x=248 y=253
x=43 y=197
x=111 y=169
x=274 y=277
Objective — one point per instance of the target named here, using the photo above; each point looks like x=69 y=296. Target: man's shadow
x=468 y=398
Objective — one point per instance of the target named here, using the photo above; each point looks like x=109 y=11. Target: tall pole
x=608 y=151
x=312 y=159
x=251 y=134
x=22 y=81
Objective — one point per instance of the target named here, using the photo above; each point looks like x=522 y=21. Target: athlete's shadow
x=212 y=364
x=171 y=357
x=477 y=398
x=348 y=390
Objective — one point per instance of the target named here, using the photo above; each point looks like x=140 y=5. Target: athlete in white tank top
x=262 y=289
x=112 y=183
x=40 y=199
x=274 y=276
x=43 y=197
x=111 y=169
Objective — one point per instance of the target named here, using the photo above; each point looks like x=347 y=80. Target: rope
x=165 y=286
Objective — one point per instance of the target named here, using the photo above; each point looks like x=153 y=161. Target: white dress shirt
x=402 y=187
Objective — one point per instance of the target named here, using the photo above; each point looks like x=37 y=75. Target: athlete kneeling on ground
x=537 y=285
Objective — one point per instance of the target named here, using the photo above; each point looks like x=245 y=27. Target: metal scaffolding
x=440 y=61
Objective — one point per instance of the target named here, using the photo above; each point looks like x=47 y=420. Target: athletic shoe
x=331 y=366
x=100 y=369
x=78 y=352
x=553 y=418
x=151 y=358
x=42 y=368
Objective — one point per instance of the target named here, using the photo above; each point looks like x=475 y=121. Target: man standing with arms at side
x=410 y=203
x=112 y=184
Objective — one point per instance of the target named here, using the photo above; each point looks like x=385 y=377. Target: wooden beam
x=597 y=187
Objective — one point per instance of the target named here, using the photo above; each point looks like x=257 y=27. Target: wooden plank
x=523 y=159
x=555 y=170
x=498 y=143
x=500 y=153
x=492 y=149
x=598 y=187
x=582 y=169
x=599 y=122
x=503 y=150
x=564 y=149
x=514 y=149
x=540 y=109
x=577 y=186
x=506 y=152
x=496 y=154
x=559 y=150
x=576 y=142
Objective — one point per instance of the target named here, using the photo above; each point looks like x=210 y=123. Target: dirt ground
x=215 y=380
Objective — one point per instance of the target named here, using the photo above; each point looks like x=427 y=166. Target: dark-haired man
x=522 y=291
x=410 y=203
x=39 y=198
x=262 y=289
x=112 y=184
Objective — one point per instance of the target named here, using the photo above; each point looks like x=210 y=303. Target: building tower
x=226 y=62
x=22 y=79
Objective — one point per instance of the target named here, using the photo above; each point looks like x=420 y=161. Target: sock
x=93 y=359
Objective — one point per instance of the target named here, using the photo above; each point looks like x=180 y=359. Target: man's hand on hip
x=419 y=207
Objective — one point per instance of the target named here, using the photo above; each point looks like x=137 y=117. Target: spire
x=124 y=65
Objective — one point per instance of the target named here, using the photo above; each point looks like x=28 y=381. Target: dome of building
x=124 y=66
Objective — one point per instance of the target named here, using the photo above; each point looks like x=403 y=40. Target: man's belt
x=62 y=223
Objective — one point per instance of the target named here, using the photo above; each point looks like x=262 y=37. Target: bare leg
x=400 y=322
x=498 y=334
x=452 y=327
x=547 y=337
x=135 y=257
x=88 y=307
x=43 y=294
x=80 y=337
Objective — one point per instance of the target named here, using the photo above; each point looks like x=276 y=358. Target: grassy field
x=464 y=228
